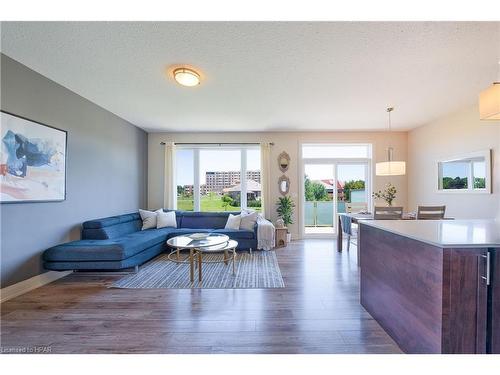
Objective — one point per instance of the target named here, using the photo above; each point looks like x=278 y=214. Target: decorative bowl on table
x=199 y=236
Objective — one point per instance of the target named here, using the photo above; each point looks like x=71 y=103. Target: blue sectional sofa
x=117 y=242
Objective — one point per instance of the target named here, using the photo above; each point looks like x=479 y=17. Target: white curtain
x=169 y=185
x=265 y=177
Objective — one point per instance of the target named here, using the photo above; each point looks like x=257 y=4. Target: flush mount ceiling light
x=186 y=77
x=390 y=167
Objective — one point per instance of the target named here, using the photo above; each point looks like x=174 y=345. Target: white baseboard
x=25 y=286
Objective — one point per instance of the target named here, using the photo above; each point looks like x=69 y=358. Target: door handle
x=487 y=277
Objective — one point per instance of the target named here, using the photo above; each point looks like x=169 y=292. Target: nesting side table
x=280 y=237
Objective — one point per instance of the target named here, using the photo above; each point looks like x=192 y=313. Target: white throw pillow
x=165 y=219
x=248 y=220
x=148 y=219
x=233 y=222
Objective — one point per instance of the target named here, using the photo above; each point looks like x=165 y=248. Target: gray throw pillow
x=148 y=219
x=233 y=222
x=248 y=220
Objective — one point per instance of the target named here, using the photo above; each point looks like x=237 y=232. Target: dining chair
x=346 y=228
x=354 y=207
x=430 y=212
x=388 y=213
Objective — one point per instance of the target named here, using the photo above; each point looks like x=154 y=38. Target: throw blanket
x=346 y=224
x=265 y=234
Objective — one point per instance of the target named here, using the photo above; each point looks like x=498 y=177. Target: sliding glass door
x=352 y=187
x=333 y=184
x=319 y=195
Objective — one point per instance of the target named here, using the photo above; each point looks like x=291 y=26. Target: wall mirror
x=284 y=185
x=283 y=161
x=469 y=173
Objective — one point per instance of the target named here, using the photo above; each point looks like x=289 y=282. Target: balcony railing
x=318 y=214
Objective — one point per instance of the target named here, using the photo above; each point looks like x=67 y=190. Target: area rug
x=253 y=271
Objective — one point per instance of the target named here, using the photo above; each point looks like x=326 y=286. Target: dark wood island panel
x=428 y=298
x=494 y=301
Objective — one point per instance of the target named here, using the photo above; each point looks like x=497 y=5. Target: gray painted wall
x=106 y=169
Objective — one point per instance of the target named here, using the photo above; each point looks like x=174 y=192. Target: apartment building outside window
x=209 y=178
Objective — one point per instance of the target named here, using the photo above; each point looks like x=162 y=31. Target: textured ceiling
x=265 y=76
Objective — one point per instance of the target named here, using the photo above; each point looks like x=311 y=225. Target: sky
x=460 y=169
x=213 y=160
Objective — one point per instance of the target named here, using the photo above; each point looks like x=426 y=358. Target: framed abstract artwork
x=32 y=161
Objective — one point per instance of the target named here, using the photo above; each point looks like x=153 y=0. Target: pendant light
x=489 y=102
x=390 y=167
x=489 y=99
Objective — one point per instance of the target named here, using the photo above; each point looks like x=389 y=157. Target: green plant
x=314 y=191
x=388 y=195
x=254 y=203
x=285 y=209
x=226 y=201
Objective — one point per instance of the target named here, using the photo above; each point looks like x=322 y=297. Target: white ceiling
x=265 y=76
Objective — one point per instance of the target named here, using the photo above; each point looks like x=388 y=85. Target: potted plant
x=388 y=195
x=285 y=212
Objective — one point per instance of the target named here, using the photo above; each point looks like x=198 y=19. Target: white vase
x=288 y=237
x=280 y=223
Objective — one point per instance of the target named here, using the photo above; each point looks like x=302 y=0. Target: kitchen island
x=434 y=286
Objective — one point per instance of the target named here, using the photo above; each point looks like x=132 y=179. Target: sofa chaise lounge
x=117 y=242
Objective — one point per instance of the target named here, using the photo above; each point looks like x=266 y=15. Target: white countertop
x=444 y=233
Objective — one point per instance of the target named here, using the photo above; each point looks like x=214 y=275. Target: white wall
x=289 y=142
x=455 y=134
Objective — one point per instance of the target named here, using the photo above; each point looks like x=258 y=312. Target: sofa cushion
x=236 y=234
x=109 y=221
x=186 y=231
x=108 y=250
x=111 y=227
x=202 y=220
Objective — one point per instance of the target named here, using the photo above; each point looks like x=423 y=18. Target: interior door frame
x=335 y=162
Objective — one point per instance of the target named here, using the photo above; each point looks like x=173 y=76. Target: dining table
x=345 y=221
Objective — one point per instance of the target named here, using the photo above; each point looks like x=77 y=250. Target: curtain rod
x=219 y=144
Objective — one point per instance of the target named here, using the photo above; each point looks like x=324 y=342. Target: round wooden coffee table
x=213 y=242
x=229 y=250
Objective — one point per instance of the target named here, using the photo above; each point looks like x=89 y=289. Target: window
x=209 y=178
x=185 y=180
x=219 y=179
x=470 y=173
x=455 y=175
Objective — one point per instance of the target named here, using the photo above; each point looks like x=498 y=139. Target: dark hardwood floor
x=317 y=312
